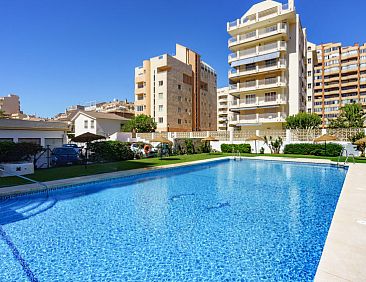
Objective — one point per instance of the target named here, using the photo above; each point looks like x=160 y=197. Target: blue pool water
x=228 y=221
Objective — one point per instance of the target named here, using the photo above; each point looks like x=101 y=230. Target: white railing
x=258 y=68
x=261 y=16
x=258 y=84
x=258 y=50
x=259 y=33
x=299 y=135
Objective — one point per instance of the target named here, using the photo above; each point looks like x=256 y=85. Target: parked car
x=64 y=156
x=74 y=146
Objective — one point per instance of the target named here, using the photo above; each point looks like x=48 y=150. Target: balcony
x=235 y=73
x=280 y=28
x=140 y=90
x=272 y=82
x=258 y=50
x=259 y=101
x=259 y=118
x=261 y=17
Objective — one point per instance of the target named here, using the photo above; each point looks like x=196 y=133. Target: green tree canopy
x=351 y=116
x=140 y=123
x=303 y=121
x=2 y=114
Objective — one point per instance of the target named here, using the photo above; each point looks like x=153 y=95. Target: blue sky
x=55 y=53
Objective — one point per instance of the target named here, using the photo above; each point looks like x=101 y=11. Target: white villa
x=105 y=124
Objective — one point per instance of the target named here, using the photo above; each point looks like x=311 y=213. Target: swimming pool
x=231 y=220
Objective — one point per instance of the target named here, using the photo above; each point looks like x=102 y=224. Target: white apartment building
x=224 y=115
x=268 y=66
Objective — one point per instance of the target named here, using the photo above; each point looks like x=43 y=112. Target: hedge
x=16 y=152
x=242 y=148
x=190 y=146
x=333 y=150
x=110 y=151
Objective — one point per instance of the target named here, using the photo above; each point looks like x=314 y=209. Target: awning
x=256 y=59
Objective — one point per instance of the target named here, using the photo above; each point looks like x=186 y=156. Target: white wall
x=108 y=127
x=16 y=134
x=79 y=125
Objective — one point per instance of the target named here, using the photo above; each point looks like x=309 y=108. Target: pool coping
x=345 y=247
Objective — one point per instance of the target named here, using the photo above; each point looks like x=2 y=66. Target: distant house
x=39 y=132
x=104 y=124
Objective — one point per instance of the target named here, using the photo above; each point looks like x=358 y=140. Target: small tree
x=2 y=114
x=140 y=123
x=303 y=121
x=351 y=116
x=274 y=145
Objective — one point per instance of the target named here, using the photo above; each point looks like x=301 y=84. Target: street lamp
x=226 y=121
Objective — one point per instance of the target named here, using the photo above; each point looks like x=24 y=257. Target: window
x=30 y=140
x=161 y=83
x=160 y=108
x=179 y=87
x=85 y=123
x=309 y=85
x=139 y=108
x=180 y=98
x=309 y=61
x=270 y=97
x=140 y=85
x=92 y=122
x=179 y=121
x=309 y=73
x=140 y=97
x=250 y=99
x=309 y=111
x=160 y=96
x=309 y=98
x=161 y=120
x=179 y=110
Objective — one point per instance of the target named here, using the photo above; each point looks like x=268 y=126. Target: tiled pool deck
x=344 y=255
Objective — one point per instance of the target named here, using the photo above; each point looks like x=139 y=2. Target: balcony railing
x=258 y=84
x=258 y=68
x=259 y=33
x=260 y=101
x=258 y=118
x=258 y=50
x=261 y=16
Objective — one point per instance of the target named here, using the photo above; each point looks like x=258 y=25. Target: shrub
x=16 y=152
x=241 y=148
x=333 y=150
x=110 y=151
x=190 y=146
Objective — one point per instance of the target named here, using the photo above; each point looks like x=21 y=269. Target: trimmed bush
x=190 y=146
x=242 y=148
x=16 y=152
x=110 y=151
x=333 y=150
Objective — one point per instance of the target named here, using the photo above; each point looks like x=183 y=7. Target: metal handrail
x=347 y=157
x=23 y=177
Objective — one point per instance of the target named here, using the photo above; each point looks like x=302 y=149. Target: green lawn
x=80 y=170
x=75 y=171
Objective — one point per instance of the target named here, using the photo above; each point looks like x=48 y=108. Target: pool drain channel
x=17 y=255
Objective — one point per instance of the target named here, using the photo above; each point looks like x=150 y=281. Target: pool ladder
x=23 y=177
x=347 y=157
x=237 y=155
